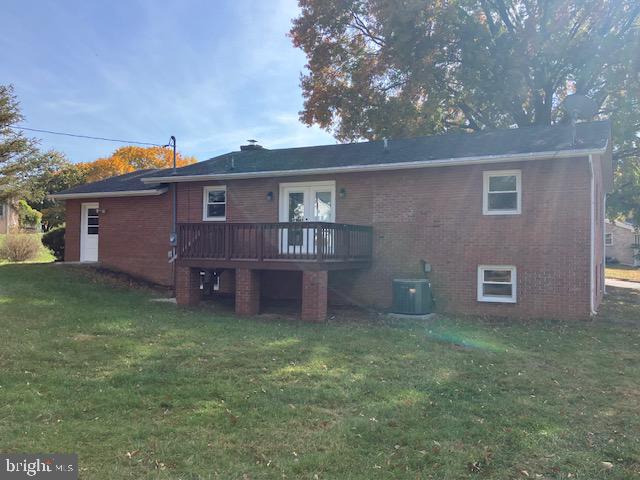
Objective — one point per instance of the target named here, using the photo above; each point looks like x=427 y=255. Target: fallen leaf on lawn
x=132 y=453
x=232 y=418
x=607 y=465
x=474 y=467
x=524 y=472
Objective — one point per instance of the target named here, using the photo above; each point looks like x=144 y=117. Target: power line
x=85 y=136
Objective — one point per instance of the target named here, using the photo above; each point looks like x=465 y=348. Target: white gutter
x=127 y=193
x=447 y=162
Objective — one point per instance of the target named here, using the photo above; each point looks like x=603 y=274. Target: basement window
x=608 y=239
x=502 y=192
x=497 y=283
x=215 y=203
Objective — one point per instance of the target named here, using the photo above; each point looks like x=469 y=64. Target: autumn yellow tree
x=130 y=158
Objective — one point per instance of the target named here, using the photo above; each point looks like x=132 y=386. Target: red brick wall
x=314 y=296
x=133 y=238
x=187 y=286
x=435 y=214
x=247 y=291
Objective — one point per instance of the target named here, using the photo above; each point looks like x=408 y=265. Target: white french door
x=305 y=202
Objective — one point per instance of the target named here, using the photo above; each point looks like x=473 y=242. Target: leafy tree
x=20 y=159
x=130 y=158
x=66 y=175
x=29 y=217
x=381 y=68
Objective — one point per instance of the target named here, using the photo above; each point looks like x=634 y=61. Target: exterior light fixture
x=270 y=196
x=343 y=192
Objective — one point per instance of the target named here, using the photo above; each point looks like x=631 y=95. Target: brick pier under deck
x=187 y=285
x=314 y=296
x=248 y=290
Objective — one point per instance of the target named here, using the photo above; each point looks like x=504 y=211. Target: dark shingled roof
x=530 y=140
x=120 y=183
x=558 y=138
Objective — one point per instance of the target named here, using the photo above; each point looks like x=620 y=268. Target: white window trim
x=205 y=203
x=608 y=235
x=485 y=191
x=498 y=299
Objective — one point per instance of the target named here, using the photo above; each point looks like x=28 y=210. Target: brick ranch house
x=511 y=222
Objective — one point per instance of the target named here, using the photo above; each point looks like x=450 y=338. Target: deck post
x=187 y=285
x=314 y=295
x=247 y=292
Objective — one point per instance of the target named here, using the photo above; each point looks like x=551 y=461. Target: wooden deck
x=275 y=246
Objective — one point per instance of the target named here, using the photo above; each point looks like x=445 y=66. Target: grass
x=623 y=272
x=144 y=390
x=45 y=255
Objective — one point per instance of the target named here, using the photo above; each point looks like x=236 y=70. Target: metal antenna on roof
x=579 y=107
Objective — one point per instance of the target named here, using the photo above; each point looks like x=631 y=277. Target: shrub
x=54 y=241
x=29 y=218
x=20 y=247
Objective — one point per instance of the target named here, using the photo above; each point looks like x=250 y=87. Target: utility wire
x=17 y=127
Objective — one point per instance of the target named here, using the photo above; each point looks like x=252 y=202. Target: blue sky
x=212 y=73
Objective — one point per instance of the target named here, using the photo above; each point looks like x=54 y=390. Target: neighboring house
x=9 y=220
x=507 y=222
x=619 y=240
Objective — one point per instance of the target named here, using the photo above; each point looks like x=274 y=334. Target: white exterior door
x=89 y=232
x=305 y=202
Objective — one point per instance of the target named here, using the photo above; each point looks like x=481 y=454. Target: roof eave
x=127 y=193
x=382 y=166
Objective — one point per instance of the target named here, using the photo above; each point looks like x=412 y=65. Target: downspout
x=592 y=245
x=604 y=248
x=173 y=237
x=174 y=200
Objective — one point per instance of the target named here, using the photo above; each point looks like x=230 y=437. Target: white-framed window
x=214 y=207
x=502 y=192
x=608 y=239
x=497 y=283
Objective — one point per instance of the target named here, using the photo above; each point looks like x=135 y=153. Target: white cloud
x=211 y=73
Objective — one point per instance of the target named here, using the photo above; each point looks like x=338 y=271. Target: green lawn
x=145 y=390
x=45 y=255
x=622 y=272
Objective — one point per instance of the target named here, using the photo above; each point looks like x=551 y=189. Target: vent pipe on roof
x=578 y=107
x=386 y=144
x=253 y=145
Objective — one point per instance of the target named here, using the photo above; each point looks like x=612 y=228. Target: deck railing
x=310 y=241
